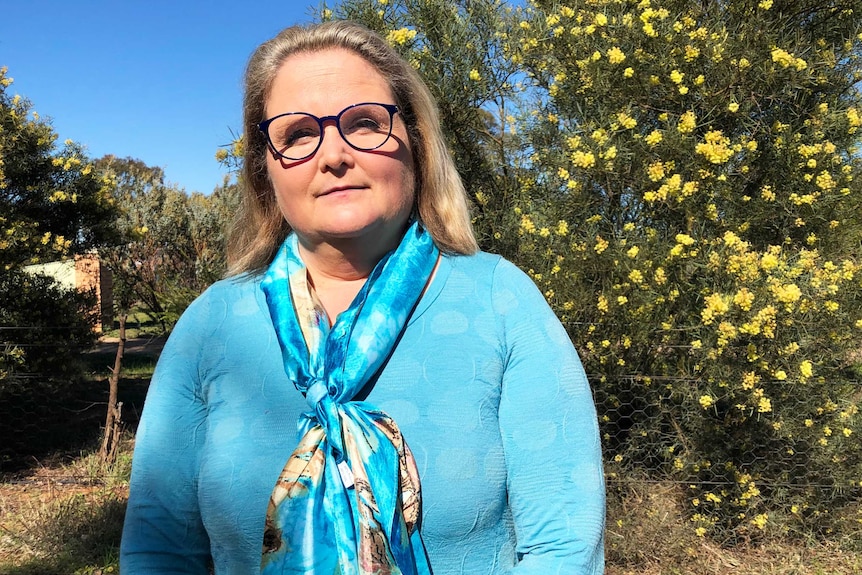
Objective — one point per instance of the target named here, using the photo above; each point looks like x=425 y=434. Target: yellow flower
x=474 y=75
x=584 y=159
x=825 y=181
x=601 y=245
x=687 y=123
x=676 y=76
x=629 y=72
x=715 y=147
x=401 y=36
x=602 y=304
x=786 y=294
x=633 y=252
x=626 y=121
x=760 y=521
x=684 y=239
x=765 y=4
x=783 y=58
x=806 y=369
x=654 y=138
x=615 y=55
x=655 y=171
x=733 y=107
x=706 y=401
x=601 y=20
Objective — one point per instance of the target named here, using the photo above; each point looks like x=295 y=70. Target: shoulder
x=219 y=301
x=502 y=277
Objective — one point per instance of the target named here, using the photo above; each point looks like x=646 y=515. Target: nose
x=334 y=152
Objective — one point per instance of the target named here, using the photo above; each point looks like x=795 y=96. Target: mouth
x=338 y=189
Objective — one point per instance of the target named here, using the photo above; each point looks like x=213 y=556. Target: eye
x=299 y=136
x=294 y=130
x=365 y=119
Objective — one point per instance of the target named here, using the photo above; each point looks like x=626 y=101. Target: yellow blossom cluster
x=715 y=147
x=786 y=59
x=400 y=36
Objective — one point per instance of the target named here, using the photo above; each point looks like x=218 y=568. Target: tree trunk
x=113 y=420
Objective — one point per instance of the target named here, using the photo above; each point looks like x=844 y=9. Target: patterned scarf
x=347 y=501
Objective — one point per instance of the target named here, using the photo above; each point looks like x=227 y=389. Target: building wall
x=85 y=272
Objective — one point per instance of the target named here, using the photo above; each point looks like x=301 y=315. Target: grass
x=64 y=518
x=648 y=534
x=138 y=324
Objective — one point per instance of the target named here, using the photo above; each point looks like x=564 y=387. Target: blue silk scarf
x=348 y=499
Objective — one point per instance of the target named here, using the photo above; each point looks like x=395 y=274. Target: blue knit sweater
x=484 y=384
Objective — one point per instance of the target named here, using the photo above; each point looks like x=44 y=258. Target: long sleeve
x=550 y=437
x=163 y=530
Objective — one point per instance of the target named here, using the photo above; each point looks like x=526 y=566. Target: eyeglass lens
x=297 y=136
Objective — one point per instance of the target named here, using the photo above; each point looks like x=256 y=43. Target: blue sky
x=156 y=80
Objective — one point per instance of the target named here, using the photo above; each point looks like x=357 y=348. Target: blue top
x=485 y=386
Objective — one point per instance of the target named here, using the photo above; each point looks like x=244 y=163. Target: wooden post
x=113 y=419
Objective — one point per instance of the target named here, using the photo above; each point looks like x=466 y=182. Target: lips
x=336 y=189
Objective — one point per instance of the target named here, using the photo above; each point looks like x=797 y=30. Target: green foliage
x=52 y=202
x=52 y=205
x=50 y=323
x=698 y=228
x=45 y=330
x=173 y=244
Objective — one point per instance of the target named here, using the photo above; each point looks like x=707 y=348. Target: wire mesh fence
x=648 y=438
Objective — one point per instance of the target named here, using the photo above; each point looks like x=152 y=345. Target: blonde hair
x=441 y=201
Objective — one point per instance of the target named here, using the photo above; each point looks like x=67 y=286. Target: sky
x=155 y=80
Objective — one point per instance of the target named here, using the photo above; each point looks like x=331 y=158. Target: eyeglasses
x=297 y=135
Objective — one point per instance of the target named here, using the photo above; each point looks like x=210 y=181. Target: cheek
x=281 y=187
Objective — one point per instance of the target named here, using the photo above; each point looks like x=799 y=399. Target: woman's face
x=340 y=193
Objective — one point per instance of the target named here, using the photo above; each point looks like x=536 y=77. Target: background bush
x=681 y=180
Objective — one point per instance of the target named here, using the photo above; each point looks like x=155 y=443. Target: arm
x=550 y=437
x=163 y=532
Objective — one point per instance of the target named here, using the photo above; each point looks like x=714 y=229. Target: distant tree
x=157 y=259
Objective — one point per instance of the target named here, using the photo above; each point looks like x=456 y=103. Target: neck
x=338 y=271
x=346 y=261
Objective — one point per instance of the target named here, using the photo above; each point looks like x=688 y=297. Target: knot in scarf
x=348 y=499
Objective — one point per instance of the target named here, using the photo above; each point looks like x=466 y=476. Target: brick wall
x=91 y=274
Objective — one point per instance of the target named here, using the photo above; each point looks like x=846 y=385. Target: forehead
x=325 y=82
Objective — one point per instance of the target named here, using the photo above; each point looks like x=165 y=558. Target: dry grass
x=63 y=518
x=648 y=534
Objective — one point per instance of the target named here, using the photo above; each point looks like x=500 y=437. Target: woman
x=444 y=421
